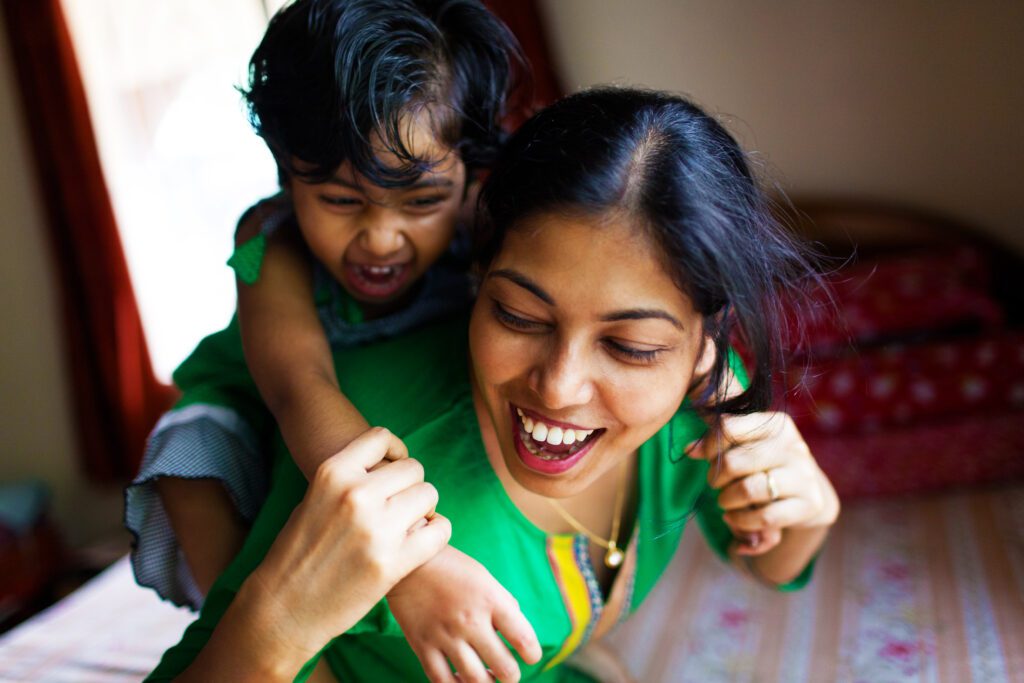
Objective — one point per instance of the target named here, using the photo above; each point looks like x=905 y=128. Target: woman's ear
x=706 y=357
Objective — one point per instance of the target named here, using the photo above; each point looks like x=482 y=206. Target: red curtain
x=526 y=22
x=116 y=396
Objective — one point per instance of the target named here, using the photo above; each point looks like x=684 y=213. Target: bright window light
x=180 y=159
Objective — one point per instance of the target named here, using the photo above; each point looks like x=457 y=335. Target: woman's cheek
x=649 y=401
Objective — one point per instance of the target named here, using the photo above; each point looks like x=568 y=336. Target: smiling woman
x=597 y=344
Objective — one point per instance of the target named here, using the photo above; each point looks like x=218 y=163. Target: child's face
x=377 y=241
x=578 y=327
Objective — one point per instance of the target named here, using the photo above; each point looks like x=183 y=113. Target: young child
x=380 y=115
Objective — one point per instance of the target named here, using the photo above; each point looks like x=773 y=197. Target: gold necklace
x=614 y=555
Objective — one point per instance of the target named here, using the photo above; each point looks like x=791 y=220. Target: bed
x=914 y=589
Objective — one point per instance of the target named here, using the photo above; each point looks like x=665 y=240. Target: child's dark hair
x=332 y=79
x=658 y=160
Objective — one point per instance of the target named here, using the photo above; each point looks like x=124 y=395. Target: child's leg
x=209 y=528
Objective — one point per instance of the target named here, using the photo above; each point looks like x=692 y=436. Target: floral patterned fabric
x=910 y=590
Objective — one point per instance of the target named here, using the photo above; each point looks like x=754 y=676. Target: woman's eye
x=631 y=353
x=514 y=321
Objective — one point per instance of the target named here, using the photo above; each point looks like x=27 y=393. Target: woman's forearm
x=247 y=645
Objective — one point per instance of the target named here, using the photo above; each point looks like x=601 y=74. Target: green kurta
x=418 y=386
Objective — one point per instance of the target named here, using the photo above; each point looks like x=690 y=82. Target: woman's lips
x=376 y=281
x=549 y=446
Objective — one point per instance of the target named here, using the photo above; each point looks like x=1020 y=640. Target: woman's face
x=582 y=346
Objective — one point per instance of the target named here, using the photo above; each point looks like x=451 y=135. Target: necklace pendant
x=613 y=558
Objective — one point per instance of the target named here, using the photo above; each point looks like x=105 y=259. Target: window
x=180 y=159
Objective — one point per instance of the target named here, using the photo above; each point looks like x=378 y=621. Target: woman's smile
x=582 y=346
x=550 y=446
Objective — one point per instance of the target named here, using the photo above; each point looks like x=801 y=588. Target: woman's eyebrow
x=524 y=282
x=641 y=314
x=628 y=314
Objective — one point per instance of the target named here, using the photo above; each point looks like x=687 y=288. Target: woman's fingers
x=393 y=477
x=780 y=514
x=362 y=454
x=426 y=540
x=410 y=504
x=743 y=461
x=763 y=487
x=759 y=542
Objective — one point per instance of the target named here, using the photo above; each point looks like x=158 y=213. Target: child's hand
x=450 y=610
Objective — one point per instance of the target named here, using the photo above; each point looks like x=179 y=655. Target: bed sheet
x=907 y=590
x=108 y=631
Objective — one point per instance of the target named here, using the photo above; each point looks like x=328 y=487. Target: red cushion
x=898 y=385
x=966 y=450
x=900 y=296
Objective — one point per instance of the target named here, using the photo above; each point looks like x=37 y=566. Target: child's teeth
x=519 y=411
x=540 y=431
x=555 y=436
x=528 y=423
x=569 y=437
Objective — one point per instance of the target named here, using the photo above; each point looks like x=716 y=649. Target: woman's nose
x=563 y=379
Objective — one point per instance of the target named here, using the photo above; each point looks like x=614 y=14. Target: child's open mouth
x=549 y=447
x=376 y=281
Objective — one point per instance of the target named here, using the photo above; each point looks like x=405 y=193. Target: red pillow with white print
x=901 y=296
x=899 y=385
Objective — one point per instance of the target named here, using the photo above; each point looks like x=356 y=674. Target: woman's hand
x=357 y=532
x=451 y=610
x=769 y=483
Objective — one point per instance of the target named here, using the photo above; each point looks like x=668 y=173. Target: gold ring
x=773 y=492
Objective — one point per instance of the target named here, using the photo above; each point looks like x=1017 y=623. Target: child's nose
x=382 y=240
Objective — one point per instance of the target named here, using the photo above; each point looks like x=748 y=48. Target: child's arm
x=450 y=608
x=289 y=356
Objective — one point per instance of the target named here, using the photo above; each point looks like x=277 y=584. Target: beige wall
x=35 y=421
x=916 y=101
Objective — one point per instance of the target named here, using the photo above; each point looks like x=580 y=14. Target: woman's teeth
x=551 y=434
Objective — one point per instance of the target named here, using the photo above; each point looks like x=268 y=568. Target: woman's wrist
x=272 y=641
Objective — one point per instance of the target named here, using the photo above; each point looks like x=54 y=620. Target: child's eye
x=631 y=353
x=426 y=202
x=516 y=322
x=344 y=202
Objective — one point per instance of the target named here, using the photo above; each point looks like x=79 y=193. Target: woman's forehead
x=606 y=262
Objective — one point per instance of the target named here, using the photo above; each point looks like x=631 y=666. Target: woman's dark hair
x=658 y=160
x=330 y=75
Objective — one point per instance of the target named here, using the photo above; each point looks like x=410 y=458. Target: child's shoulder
x=257 y=223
